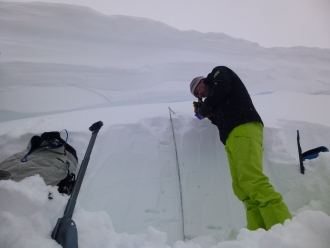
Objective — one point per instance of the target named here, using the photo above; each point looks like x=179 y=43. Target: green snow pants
x=264 y=206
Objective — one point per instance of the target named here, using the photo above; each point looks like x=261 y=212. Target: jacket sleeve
x=219 y=80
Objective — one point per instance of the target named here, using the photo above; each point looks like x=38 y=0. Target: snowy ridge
x=47 y=44
x=65 y=66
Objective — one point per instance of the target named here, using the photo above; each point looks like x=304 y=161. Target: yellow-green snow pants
x=264 y=206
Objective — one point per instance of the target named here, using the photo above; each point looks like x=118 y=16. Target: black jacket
x=228 y=101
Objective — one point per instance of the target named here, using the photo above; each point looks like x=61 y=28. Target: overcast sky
x=270 y=23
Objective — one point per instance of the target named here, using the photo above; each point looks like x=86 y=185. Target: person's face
x=201 y=90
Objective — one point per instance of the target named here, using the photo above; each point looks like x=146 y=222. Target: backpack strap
x=56 y=135
x=35 y=144
x=54 y=141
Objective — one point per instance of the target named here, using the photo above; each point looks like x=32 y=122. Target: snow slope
x=65 y=66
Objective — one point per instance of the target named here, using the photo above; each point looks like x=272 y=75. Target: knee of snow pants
x=250 y=185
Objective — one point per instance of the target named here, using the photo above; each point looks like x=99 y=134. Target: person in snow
x=228 y=105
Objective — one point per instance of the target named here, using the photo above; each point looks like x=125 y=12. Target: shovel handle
x=76 y=188
x=96 y=126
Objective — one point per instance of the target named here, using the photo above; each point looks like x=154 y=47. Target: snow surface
x=66 y=67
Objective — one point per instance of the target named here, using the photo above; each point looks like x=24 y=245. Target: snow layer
x=65 y=66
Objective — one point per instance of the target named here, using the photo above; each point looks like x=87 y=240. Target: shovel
x=65 y=231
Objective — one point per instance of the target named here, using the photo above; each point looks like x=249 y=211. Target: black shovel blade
x=65 y=233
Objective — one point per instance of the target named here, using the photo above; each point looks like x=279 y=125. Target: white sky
x=270 y=23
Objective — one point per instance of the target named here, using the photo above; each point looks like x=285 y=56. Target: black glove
x=209 y=114
x=203 y=112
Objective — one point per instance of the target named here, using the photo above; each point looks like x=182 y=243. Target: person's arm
x=220 y=78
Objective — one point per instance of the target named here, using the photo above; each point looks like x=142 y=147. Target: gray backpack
x=47 y=155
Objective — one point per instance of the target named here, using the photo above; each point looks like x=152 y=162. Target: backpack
x=47 y=155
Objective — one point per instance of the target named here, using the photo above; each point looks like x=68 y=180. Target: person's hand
x=196 y=106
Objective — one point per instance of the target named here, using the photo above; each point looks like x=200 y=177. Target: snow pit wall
x=133 y=174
